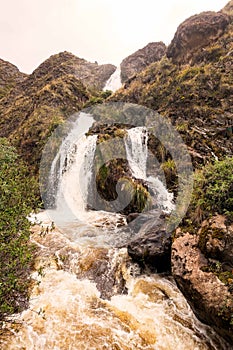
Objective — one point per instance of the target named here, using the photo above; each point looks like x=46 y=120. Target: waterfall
x=77 y=172
x=137 y=151
x=87 y=295
x=114 y=82
x=70 y=186
x=136 y=144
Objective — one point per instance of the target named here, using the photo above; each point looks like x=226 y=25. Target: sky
x=105 y=31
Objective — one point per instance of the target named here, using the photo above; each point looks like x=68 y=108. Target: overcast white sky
x=98 y=30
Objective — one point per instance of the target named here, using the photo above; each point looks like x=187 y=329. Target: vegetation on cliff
x=16 y=203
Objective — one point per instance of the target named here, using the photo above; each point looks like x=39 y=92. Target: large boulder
x=151 y=246
x=210 y=298
x=140 y=59
x=194 y=34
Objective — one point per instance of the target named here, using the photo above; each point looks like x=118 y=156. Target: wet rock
x=108 y=268
x=210 y=299
x=118 y=190
x=152 y=244
x=194 y=33
x=136 y=62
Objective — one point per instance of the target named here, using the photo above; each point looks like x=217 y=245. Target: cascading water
x=114 y=82
x=137 y=154
x=137 y=151
x=71 y=175
x=68 y=309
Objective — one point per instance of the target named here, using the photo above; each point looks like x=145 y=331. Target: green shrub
x=16 y=203
x=213 y=189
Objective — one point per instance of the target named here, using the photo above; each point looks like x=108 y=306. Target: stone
x=142 y=58
x=151 y=246
x=228 y=9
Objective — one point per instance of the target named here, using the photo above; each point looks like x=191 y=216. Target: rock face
x=9 y=77
x=197 y=98
x=139 y=60
x=216 y=242
x=151 y=246
x=196 y=32
x=200 y=277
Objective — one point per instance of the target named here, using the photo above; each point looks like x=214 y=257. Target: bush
x=17 y=198
x=213 y=189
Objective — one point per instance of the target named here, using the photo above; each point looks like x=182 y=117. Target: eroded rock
x=215 y=239
x=208 y=296
x=194 y=33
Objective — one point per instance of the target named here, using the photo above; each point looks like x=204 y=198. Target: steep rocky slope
x=9 y=77
x=142 y=58
x=193 y=90
x=56 y=89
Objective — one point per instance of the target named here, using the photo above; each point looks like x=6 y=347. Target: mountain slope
x=9 y=77
x=195 y=94
x=59 y=87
